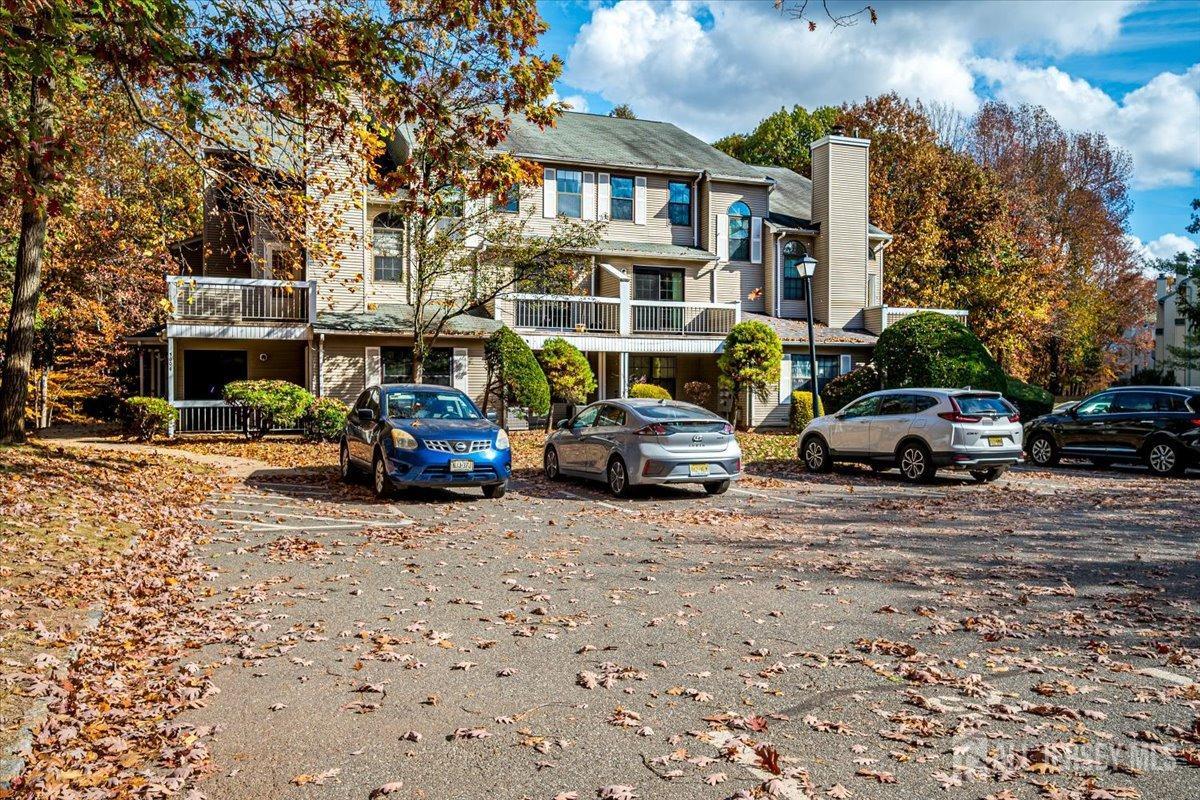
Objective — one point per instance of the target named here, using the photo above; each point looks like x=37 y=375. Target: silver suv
x=917 y=431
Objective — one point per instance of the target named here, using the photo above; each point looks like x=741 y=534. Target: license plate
x=996 y=441
x=698 y=470
x=461 y=465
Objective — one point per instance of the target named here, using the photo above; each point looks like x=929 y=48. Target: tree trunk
x=418 y=360
x=27 y=280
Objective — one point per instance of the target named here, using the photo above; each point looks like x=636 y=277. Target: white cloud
x=576 y=102
x=1165 y=246
x=746 y=60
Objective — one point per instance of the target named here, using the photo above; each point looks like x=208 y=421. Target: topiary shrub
x=143 y=418
x=801 y=413
x=325 y=419
x=697 y=392
x=267 y=404
x=1031 y=401
x=932 y=349
x=567 y=371
x=514 y=375
x=842 y=390
x=649 y=391
x=750 y=360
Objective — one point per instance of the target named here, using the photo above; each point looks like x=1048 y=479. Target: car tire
x=815 y=454
x=380 y=481
x=1164 y=457
x=915 y=463
x=494 y=491
x=617 y=477
x=987 y=475
x=345 y=465
x=716 y=487
x=1042 y=450
x=550 y=464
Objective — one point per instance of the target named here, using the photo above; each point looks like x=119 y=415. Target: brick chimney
x=839 y=207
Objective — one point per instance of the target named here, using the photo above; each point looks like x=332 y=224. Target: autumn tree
x=240 y=76
x=622 y=111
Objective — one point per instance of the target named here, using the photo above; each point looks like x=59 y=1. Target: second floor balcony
x=241 y=300
x=615 y=316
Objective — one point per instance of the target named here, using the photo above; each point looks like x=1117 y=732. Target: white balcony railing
x=876 y=319
x=241 y=299
x=615 y=315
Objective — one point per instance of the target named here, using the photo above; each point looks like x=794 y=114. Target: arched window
x=793 y=281
x=387 y=241
x=739 y=232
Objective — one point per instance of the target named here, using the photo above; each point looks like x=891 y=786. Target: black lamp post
x=808 y=267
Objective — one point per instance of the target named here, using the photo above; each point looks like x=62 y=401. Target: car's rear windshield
x=983 y=404
x=665 y=413
x=428 y=404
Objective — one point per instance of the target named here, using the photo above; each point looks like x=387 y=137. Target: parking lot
x=802 y=635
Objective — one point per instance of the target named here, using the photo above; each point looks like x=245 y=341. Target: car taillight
x=1014 y=417
x=653 y=429
x=1196 y=422
x=958 y=416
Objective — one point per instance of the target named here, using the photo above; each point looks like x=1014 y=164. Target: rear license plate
x=698 y=470
x=461 y=465
x=996 y=441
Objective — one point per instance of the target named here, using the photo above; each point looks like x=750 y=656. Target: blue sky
x=1129 y=69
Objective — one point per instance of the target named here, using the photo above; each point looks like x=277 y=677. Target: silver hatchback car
x=635 y=442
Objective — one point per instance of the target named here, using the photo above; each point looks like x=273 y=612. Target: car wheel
x=550 y=464
x=618 y=477
x=1042 y=451
x=494 y=491
x=380 y=481
x=344 y=464
x=916 y=463
x=716 y=487
x=987 y=475
x=1164 y=458
x=816 y=455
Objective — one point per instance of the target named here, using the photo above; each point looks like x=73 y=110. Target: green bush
x=325 y=419
x=750 y=360
x=801 y=412
x=143 y=418
x=567 y=371
x=839 y=392
x=514 y=375
x=267 y=404
x=649 y=391
x=1031 y=401
x=932 y=349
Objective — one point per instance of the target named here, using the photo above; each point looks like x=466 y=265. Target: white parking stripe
x=776 y=497
x=277 y=514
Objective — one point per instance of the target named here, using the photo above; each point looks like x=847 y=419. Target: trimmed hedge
x=267 y=404
x=839 y=392
x=801 y=412
x=1031 y=401
x=325 y=419
x=143 y=418
x=513 y=372
x=932 y=349
x=649 y=391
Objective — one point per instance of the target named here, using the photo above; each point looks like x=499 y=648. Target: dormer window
x=387 y=241
x=739 y=232
x=793 y=282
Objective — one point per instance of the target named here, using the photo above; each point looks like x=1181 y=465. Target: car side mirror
x=365 y=415
x=1073 y=412
x=562 y=424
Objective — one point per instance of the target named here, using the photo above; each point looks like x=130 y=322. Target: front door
x=205 y=372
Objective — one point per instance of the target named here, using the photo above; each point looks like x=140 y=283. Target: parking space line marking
x=773 y=497
x=604 y=503
x=364 y=520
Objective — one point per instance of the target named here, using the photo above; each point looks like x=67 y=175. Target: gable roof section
x=635 y=143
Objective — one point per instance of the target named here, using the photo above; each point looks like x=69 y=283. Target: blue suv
x=414 y=434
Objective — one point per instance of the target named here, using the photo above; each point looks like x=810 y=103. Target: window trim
x=400 y=231
x=747 y=217
x=791 y=282
x=671 y=204
x=558 y=193
x=512 y=198
x=612 y=197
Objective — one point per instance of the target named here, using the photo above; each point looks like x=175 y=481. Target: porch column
x=625 y=324
x=623 y=376
x=141 y=371
x=171 y=379
x=602 y=376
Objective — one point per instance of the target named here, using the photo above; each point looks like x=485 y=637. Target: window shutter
x=459 y=370
x=549 y=193
x=639 y=200
x=473 y=218
x=603 y=196
x=785 y=379
x=588 y=196
x=374 y=367
x=845 y=364
x=756 y=240
x=722 y=237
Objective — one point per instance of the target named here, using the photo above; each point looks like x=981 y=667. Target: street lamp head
x=807 y=267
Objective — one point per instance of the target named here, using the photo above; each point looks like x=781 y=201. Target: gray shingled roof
x=397 y=318
x=595 y=139
x=609 y=247
x=796 y=330
x=791 y=200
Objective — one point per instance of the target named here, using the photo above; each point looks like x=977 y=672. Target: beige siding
x=697 y=283
x=381 y=291
x=338 y=264
x=771 y=413
x=840 y=207
x=723 y=194
x=741 y=282
x=284 y=361
x=770 y=252
x=346 y=363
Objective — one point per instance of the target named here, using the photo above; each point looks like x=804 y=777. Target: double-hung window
x=622 y=197
x=679 y=205
x=827 y=369
x=509 y=202
x=569 y=191
x=739 y=232
x=388 y=244
x=793 y=282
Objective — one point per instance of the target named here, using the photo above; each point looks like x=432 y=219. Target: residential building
x=1170 y=327
x=694 y=242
